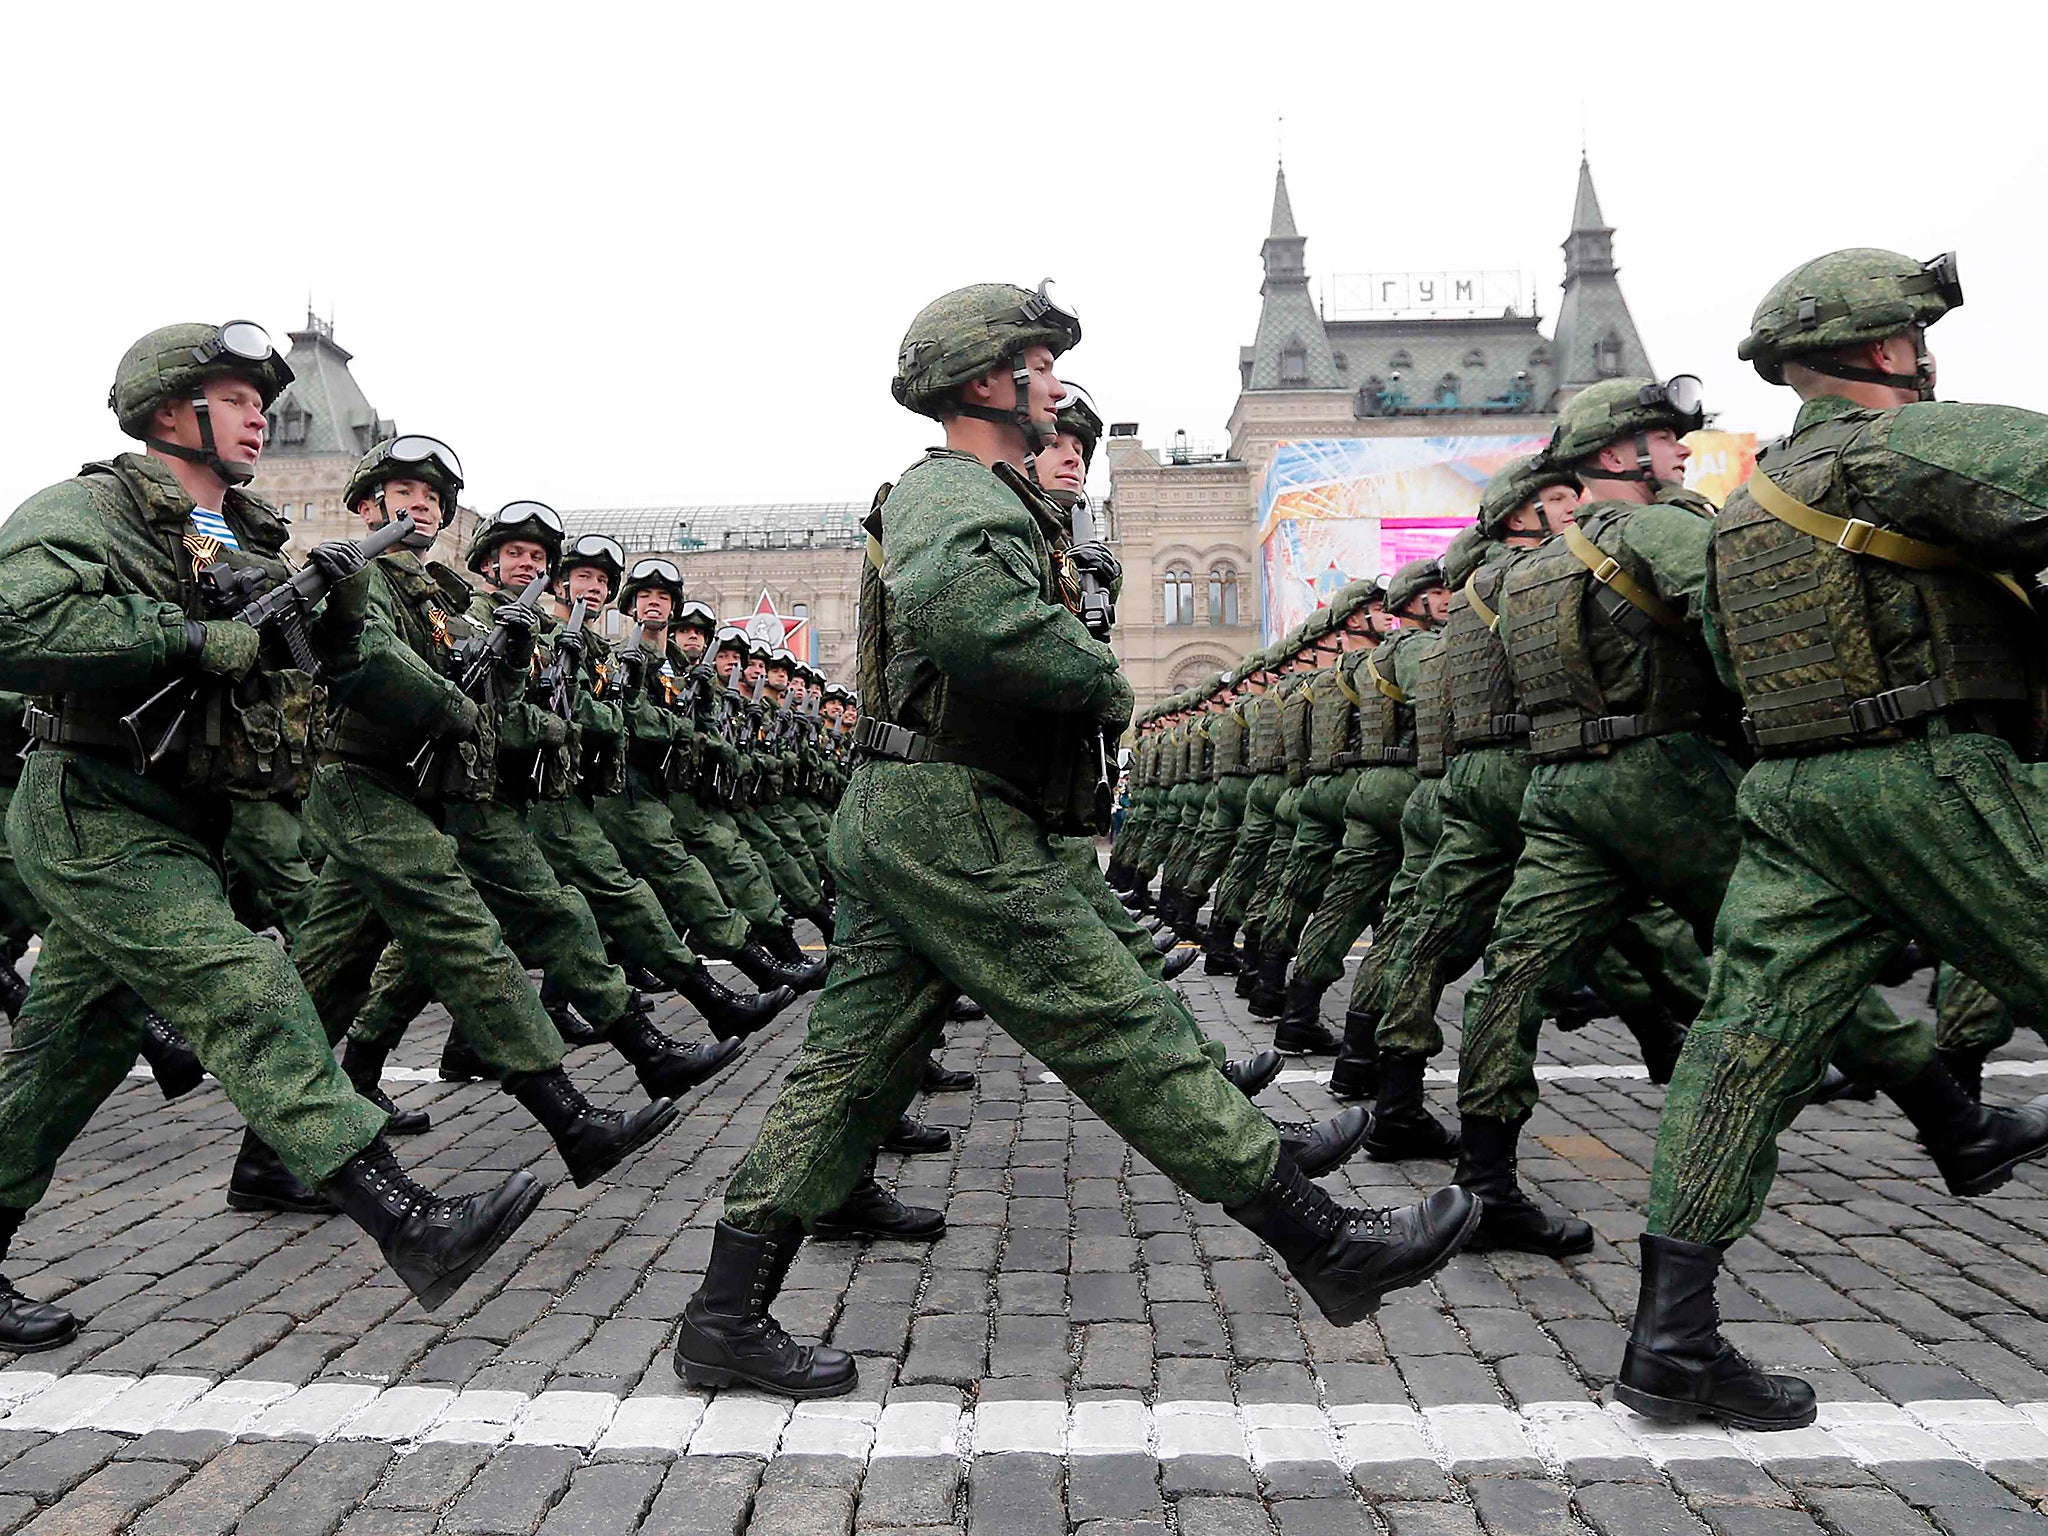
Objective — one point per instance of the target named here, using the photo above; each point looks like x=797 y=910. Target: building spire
x=1586 y=206
x=1283 y=209
x=1292 y=350
x=1596 y=336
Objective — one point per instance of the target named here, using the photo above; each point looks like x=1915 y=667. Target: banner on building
x=1336 y=510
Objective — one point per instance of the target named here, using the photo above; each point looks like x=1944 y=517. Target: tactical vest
x=601 y=759
x=1296 y=704
x=1268 y=754
x=1201 y=750
x=1228 y=743
x=1800 y=620
x=1431 y=700
x=1173 y=756
x=1483 y=712
x=1333 y=719
x=1590 y=667
x=1386 y=718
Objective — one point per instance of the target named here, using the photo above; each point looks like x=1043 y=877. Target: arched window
x=1178 y=593
x=1447 y=390
x=1223 y=597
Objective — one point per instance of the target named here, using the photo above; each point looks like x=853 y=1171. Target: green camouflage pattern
x=962 y=335
x=270 y=879
x=1513 y=486
x=1362 y=870
x=160 y=365
x=1605 y=413
x=1837 y=300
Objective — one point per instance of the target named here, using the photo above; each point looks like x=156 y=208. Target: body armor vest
x=1333 y=719
x=1386 y=716
x=1834 y=649
x=1295 y=706
x=1590 y=668
x=1268 y=755
x=1228 y=743
x=1431 y=702
x=1201 y=750
x=1483 y=712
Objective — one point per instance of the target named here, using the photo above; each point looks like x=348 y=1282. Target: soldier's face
x=1437 y=602
x=1043 y=393
x=519 y=561
x=851 y=717
x=407 y=498
x=1059 y=465
x=691 y=643
x=589 y=584
x=797 y=691
x=778 y=678
x=832 y=709
x=1378 y=621
x=1668 y=452
x=234 y=409
x=754 y=670
x=723 y=663
x=653 y=606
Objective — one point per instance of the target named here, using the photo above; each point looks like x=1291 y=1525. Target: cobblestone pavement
x=1084 y=1350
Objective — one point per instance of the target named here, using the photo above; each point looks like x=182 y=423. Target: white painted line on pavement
x=1550 y=1072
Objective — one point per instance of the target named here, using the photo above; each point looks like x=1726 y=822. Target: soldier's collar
x=1826 y=408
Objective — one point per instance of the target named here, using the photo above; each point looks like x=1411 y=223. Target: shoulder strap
x=1391 y=690
x=1854 y=536
x=1608 y=572
x=1351 y=694
x=1486 y=615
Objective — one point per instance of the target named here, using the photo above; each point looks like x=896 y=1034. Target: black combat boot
x=1356 y=1073
x=1912 y=957
x=460 y=1062
x=731 y=1015
x=1165 y=942
x=1573 y=1008
x=1185 y=919
x=569 y=1024
x=1347 y=1259
x=1508 y=1218
x=641 y=979
x=914 y=1137
x=1268 y=997
x=1402 y=1126
x=1179 y=963
x=665 y=1068
x=1250 y=959
x=765 y=971
x=1975 y=1147
x=13 y=993
x=1301 y=1029
x=1836 y=1085
x=727 y=1337
x=1151 y=922
x=965 y=1010
x=781 y=943
x=1677 y=1365
x=432 y=1244
x=938 y=1079
x=1659 y=1037
x=1250 y=1075
x=261 y=1182
x=1219 y=949
x=1137 y=897
x=592 y=1141
x=172 y=1061
x=872 y=1211
x=364 y=1065
x=28 y=1327
x=821 y=917
x=1115 y=875
x=1966 y=1065
x=1318 y=1146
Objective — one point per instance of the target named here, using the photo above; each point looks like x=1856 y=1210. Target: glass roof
x=762 y=525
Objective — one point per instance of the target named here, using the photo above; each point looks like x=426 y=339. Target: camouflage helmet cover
x=377 y=466
x=1462 y=556
x=1846 y=297
x=694 y=615
x=492 y=532
x=1354 y=597
x=1411 y=581
x=1520 y=481
x=962 y=335
x=172 y=361
x=1607 y=412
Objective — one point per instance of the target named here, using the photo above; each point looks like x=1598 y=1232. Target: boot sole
x=696 y=1375
x=651 y=1132
x=437 y=1294
x=237 y=1201
x=178 y=1088
x=393 y=1127
x=1984 y=1183
x=47 y=1345
x=1365 y=1306
x=1481 y=1243
x=1678 y=1410
x=902 y=1150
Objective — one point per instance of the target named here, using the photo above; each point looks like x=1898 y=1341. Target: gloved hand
x=514 y=617
x=461 y=720
x=1094 y=559
x=224 y=647
x=337 y=560
x=573 y=647
x=348 y=599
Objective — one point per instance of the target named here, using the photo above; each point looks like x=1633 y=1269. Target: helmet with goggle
x=1518 y=483
x=652 y=573
x=968 y=333
x=781 y=656
x=1847 y=298
x=1077 y=417
x=731 y=638
x=175 y=362
x=694 y=615
x=411 y=457
x=1411 y=581
x=1355 y=597
x=1621 y=410
x=599 y=550
x=534 y=521
x=835 y=691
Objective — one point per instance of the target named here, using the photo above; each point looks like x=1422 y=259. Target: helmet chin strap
x=415 y=540
x=1920 y=381
x=207 y=453
x=1037 y=434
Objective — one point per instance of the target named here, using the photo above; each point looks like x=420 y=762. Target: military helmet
x=1844 y=298
x=695 y=615
x=1613 y=409
x=1520 y=481
x=1462 y=555
x=1411 y=581
x=409 y=457
x=1355 y=597
x=595 y=549
x=730 y=637
x=656 y=573
x=1078 y=418
x=535 y=521
x=962 y=335
x=174 y=361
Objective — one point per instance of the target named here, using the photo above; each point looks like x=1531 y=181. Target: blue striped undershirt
x=214 y=524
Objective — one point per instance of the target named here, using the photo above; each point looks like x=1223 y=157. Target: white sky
x=625 y=255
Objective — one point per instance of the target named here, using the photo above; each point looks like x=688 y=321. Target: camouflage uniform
x=270 y=879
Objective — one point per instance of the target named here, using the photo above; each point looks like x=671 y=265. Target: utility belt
x=1905 y=710
x=1386 y=757
x=73 y=728
x=353 y=737
x=1574 y=739
x=1494 y=731
x=881 y=740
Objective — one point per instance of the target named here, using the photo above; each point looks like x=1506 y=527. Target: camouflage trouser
x=816 y=823
x=21 y=915
x=1656 y=820
x=1360 y=873
x=132 y=880
x=1160 y=827
x=1266 y=889
x=1079 y=854
x=1255 y=833
x=1422 y=824
x=1222 y=814
x=630 y=915
x=1969 y=1016
x=1319 y=828
x=641 y=826
x=1137 y=826
x=1938 y=838
x=269 y=880
x=391 y=872
x=1186 y=802
x=791 y=884
x=780 y=819
x=710 y=835
x=947 y=886
x=547 y=924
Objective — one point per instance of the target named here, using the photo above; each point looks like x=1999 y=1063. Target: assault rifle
x=481 y=657
x=1096 y=615
x=278 y=612
x=684 y=704
x=632 y=663
x=556 y=680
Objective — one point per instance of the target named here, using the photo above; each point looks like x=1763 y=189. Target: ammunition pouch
x=1058 y=786
x=246 y=740
x=462 y=770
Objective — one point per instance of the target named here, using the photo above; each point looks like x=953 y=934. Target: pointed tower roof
x=323 y=410
x=1292 y=350
x=1596 y=335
